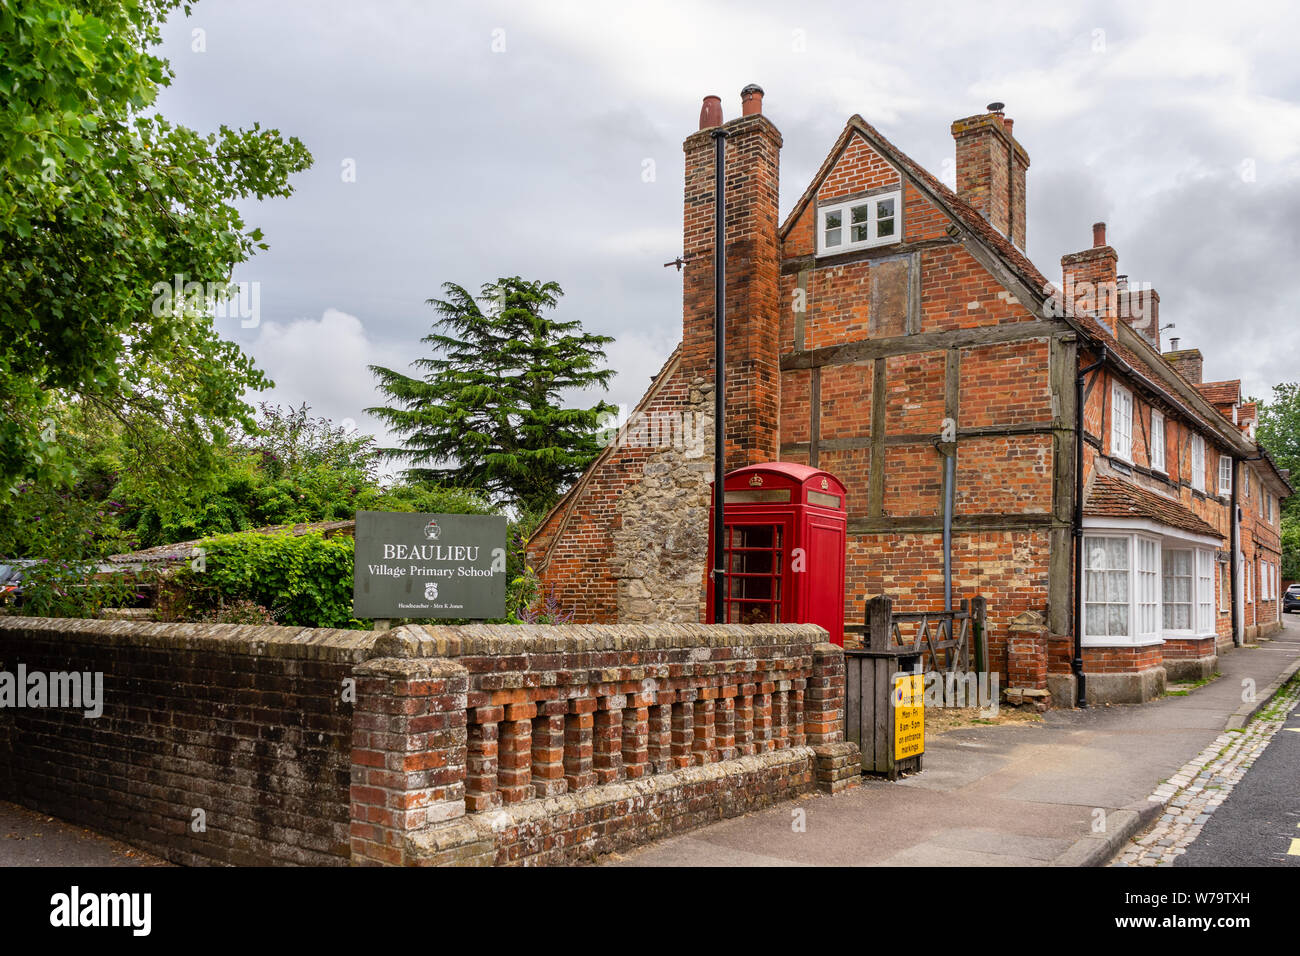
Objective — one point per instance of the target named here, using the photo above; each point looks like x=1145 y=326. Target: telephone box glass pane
x=754 y=564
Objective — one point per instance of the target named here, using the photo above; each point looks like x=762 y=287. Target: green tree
x=1279 y=432
x=104 y=207
x=488 y=413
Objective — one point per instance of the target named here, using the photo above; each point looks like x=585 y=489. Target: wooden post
x=880 y=615
x=978 y=606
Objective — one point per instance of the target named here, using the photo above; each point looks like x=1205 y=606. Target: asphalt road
x=1259 y=823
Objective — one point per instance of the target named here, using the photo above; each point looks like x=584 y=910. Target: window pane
x=1117 y=620
x=885 y=227
x=1096 y=619
x=834 y=220
x=860 y=214
x=885 y=209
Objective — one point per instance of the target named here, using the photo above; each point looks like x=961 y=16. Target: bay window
x=1144 y=583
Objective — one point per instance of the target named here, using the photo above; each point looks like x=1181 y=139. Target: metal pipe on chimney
x=720 y=603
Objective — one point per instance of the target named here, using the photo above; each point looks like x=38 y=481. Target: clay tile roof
x=1221 y=393
x=1114 y=498
x=182 y=550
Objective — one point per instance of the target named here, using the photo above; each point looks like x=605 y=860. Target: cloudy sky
x=544 y=140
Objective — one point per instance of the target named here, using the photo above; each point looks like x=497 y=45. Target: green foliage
x=75 y=589
x=487 y=413
x=1279 y=432
x=103 y=205
x=304 y=580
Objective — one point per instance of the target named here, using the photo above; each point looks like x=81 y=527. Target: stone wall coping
x=416 y=640
x=254 y=640
x=470 y=640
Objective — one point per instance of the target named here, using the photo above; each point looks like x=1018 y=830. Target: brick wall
x=248 y=726
x=440 y=745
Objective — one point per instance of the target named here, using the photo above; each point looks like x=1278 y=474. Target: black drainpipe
x=719 y=372
x=1234 y=571
x=1081 y=697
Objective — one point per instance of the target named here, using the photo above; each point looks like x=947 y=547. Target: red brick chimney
x=1090 y=278
x=991 y=166
x=753 y=149
x=1140 y=308
x=1188 y=362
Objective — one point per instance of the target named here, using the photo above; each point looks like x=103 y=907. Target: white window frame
x=1157 y=451
x=1089 y=568
x=1223 y=589
x=1121 y=423
x=1203 y=595
x=1225 y=476
x=1250 y=582
x=1146 y=588
x=846 y=243
x=1147 y=544
x=1198 y=464
x=1191 y=590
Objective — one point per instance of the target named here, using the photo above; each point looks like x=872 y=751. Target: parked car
x=1291 y=599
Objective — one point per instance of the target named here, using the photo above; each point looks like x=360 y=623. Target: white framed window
x=1121 y=423
x=1198 y=463
x=1176 y=567
x=1147 y=589
x=1250 y=582
x=1107 y=583
x=858 y=223
x=1225 y=475
x=1223 y=589
x=1246 y=487
x=1269 y=513
x=1157 y=441
x=1204 y=592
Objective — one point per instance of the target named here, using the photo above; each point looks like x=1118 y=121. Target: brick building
x=888 y=322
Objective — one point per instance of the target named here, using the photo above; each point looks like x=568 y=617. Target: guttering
x=1076 y=665
x=1234 y=572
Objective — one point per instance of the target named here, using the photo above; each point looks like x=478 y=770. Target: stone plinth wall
x=422 y=745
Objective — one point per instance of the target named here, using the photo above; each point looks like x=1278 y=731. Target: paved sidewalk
x=33 y=839
x=1009 y=795
x=1192 y=796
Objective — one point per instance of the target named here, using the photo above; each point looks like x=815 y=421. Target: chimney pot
x=1173 y=344
x=1007 y=123
x=751 y=100
x=1098 y=234
x=711 y=112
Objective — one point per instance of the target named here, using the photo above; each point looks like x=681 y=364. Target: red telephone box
x=784 y=547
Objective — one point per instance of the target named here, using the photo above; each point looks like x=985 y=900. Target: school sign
x=425 y=565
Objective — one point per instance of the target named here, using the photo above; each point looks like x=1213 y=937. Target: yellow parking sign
x=909 y=716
